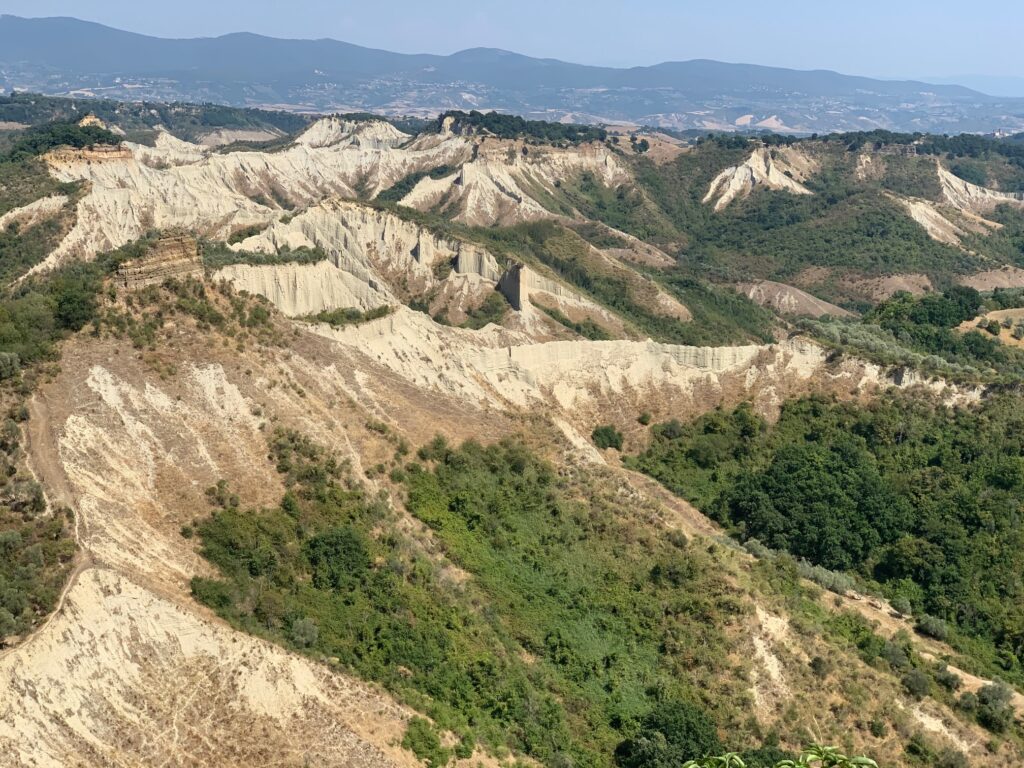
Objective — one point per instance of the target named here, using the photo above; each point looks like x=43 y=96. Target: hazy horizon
x=917 y=40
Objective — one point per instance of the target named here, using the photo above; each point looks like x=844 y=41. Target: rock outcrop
x=171 y=257
x=970 y=198
x=299 y=290
x=133 y=189
x=782 y=168
x=507 y=182
x=925 y=213
x=374 y=258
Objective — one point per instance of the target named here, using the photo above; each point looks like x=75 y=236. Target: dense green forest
x=904 y=492
x=41 y=139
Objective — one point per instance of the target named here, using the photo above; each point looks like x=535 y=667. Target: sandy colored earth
x=881 y=288
x=782 y=168
x=989 y=280
x=788 y=300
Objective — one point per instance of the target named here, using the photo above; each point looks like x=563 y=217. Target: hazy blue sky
x=883 y=38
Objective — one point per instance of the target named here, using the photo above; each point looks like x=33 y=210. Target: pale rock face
x=168 y=150
x=377 y=259
x=766 y=167
x=971 y=198
x=789 y=300
x=129 y=670
x=500 y=186
x=963 y=209
x=34 y=213
x=374 y=259
x=176 y=184
x=938 y=227
x=225 y=136
x=299 y=290
x=502 y=369
x=333 y=131
x=206 y=686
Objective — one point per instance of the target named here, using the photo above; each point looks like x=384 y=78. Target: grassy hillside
x=720 y=316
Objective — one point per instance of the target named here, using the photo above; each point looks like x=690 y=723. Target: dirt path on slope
x=43 y=461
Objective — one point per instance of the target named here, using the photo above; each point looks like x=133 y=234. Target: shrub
x=952 y=758
x=675 y=731
x=948 y=680
x=821 y=667
x=932 y=627
x=305 y=632
x=833 y=581
x=968 y=702
x=422 y=740
x=918 y=683
x=607 y=436
x=994 y=709
x=901 y=605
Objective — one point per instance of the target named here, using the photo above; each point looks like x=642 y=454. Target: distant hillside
x=68 y=56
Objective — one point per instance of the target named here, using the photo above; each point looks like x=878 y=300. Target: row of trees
x=507 y=126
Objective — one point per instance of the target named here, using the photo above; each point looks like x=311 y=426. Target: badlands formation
x=783 y=168
x=130 y=670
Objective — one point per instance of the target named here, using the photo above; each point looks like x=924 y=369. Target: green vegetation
x=422 y=740
x=846 y=224
x=24 y=180
x=405 y=185
x=624 y=208
x=720 y=316
x=919 y=332
x=814 y=756
x=217 y=255
x=607 y=436
x=215 y=308
x=905 y=493
x=36 y=548
x=339 y=318
x=493 y=310
x=532 y=653
x=21 y=248
x=586 y=328
x=40 y=140
x=42 y=311
x=515 y=127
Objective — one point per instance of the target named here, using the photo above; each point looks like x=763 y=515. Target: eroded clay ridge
x=134 y=188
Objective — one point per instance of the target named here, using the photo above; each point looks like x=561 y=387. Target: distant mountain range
x=68 y=56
